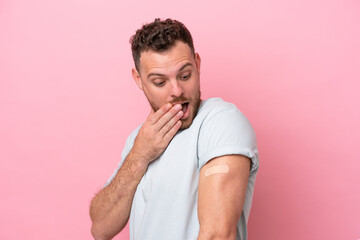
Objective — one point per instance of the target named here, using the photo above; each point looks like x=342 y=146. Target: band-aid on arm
x=216 y=169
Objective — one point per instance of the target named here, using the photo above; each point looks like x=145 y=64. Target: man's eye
x=185 y=77
x=159 y=84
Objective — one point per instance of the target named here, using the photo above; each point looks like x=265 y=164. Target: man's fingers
x=155 y=116
x=172 y=113
x=171 y=133
x=159 y=128
x=170 y=124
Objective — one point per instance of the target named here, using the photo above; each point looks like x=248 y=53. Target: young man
x=188 y=172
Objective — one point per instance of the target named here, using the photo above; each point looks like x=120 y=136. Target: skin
x=169 y=79
x=110 y=208
x=221 y=197
x=172 y=77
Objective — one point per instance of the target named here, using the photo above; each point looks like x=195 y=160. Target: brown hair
x=159 y=36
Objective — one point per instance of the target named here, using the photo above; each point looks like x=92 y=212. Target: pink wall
x=67 y=103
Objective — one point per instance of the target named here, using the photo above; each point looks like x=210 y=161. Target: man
x=188 y=172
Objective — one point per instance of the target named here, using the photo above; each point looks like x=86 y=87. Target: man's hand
x=110 y=209
x=156 y=132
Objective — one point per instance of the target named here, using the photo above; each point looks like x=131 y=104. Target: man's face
x=171 y=76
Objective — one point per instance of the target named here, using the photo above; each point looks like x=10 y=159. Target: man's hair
x=159 y=36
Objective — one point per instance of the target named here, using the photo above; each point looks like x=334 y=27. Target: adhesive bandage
x=216 y=169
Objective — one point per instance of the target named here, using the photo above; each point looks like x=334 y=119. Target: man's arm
x=110 y=208
x=221 y=196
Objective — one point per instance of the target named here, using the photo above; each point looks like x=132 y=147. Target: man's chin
x=184 y=125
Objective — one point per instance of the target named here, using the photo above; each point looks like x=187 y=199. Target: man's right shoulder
x=131 y=138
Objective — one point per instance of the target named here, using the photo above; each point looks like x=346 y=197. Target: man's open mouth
x=185 y=107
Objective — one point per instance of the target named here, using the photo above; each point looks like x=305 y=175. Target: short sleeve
x=128 y=146
x=227 y=132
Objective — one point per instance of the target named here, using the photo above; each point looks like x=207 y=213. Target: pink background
x=67 y=103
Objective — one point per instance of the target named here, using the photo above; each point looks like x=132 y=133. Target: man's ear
x=198 y=62
x=137 y=78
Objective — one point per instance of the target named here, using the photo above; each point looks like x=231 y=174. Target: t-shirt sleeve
x=227 y=132
x=128 y=145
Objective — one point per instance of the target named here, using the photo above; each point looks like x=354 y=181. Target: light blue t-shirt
x=165 y=203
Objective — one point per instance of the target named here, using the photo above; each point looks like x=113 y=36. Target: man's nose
x=176 y=89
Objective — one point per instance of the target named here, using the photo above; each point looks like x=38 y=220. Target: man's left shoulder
x=225 y=131
x=213 y=106
x=217 y=107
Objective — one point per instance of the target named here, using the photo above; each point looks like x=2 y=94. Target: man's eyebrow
x=162 y=75
x=185 y=65
x=155 y=74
